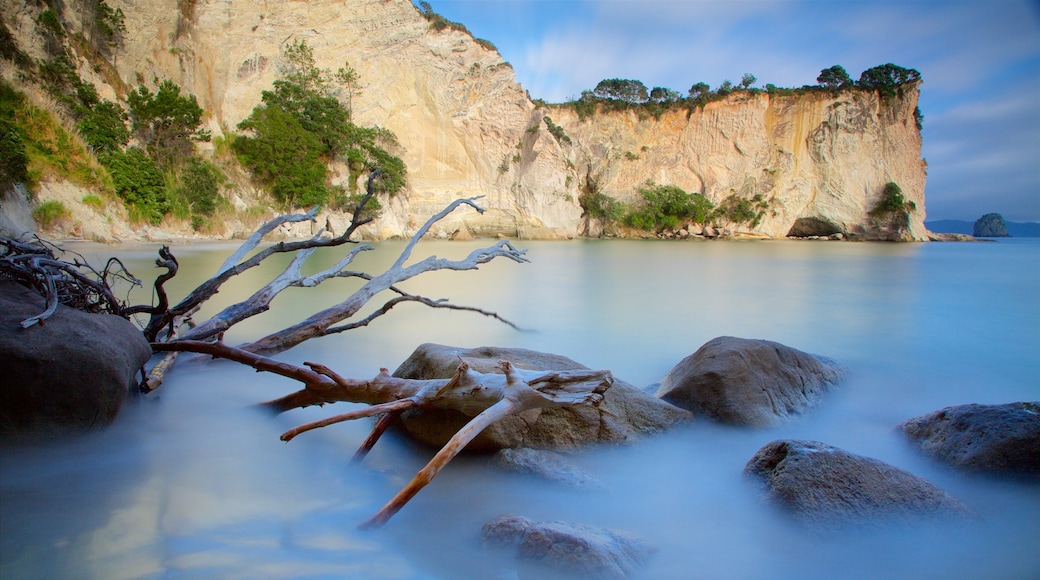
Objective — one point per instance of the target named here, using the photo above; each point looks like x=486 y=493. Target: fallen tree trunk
x=487 y=397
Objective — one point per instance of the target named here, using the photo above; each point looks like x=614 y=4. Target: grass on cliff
x=51 y=150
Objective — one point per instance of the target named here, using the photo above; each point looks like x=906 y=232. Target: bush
x=104 y=128
x=166 y=121
x=48 y=212
x=741 y=210
x=601 y=206
x=283 y=156
x=199 y=186
x=300 y=125
x=892 y=202
x=139 y=183
x=667 y=207
x=14 y=163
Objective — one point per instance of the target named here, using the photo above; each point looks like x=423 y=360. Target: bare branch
x=457 y=443
x=319 y=323
x=254 y=240
x=429 y=223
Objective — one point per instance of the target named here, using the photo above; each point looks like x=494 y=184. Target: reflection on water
x=197 y=484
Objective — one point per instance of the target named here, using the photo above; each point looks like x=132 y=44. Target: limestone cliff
x=468 y=128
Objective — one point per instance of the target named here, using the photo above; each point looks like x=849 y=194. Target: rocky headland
x=816 y=162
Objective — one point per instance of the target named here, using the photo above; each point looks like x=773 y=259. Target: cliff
x=819 y=161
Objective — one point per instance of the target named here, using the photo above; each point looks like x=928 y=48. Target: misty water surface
x=196 y=484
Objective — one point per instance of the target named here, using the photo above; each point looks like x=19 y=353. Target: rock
x=66 y=375
x=543 y=464
x=740 y=381
x=825 y=486
x=571 y=548
x=625 y=415
x=990 y=225
x=994 y=438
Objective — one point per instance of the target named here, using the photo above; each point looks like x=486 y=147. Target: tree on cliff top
x=887 y=79
x=628 y=90
x=835 y=77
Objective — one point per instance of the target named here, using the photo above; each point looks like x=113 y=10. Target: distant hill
x=1014 y=229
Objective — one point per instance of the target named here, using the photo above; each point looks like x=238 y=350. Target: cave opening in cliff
x=809 y=227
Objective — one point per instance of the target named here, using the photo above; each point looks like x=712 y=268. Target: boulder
x=625 y=415
x=571 y=548
x=66 y=375
x=757 y=383
x=823 y=486
x=992 y=438
x=545 y=465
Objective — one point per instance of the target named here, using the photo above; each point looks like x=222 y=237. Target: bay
x=197 y=484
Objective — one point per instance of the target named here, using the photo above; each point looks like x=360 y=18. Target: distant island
x=1013 y=229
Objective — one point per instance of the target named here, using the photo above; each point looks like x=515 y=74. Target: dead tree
x=172 y=319
x=484 y=397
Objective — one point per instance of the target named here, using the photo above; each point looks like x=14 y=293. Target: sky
x=979 y=60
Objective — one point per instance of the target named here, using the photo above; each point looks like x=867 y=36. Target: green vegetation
x=667 y=207
x=14 y=163
x=438 y=22
x=892 y=202
x=199 y=186
x=93 y=201
x=48 y=212
x=140 y=184
x=741 y=210
x=36 y=146
x=887 y=79
x=629 y=94
x=603 y=207
x=835 y=77
x=104 y=127
x=166 y=122
x=630 y=91
x=301 y=125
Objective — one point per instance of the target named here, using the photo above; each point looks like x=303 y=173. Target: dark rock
x=824 y=486
x=66 y=375
x=625 y=414
x=570 y=548
x=543 y=464
x=990 y=225
x=740 y=381
x=995 y=438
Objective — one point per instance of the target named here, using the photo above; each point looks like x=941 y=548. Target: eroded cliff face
x=467 y=128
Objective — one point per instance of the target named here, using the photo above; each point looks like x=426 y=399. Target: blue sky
x=979 y=59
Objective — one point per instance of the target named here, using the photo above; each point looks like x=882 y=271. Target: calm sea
x=196 y=484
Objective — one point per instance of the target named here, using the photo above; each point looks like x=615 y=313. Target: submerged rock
x=625 y=414
x=741 y=381
x=68 y=374
x=545 y=465
x=571 y=548
x=994 y=438
x=824 y=486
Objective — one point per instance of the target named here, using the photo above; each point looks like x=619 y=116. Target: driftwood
x=75 y=284
x=486 y=397
x=170 y=329
x=329 y=321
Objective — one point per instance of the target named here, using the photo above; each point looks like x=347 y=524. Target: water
x=196 y=484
